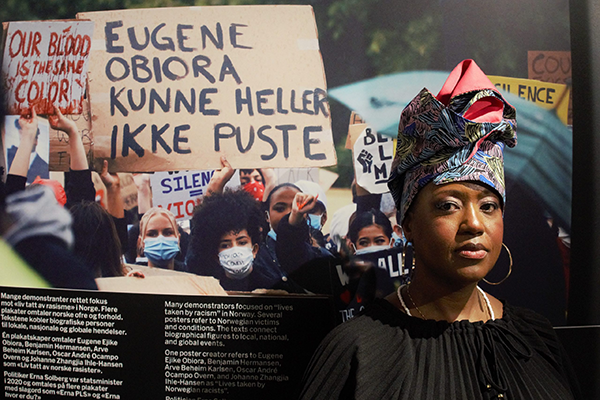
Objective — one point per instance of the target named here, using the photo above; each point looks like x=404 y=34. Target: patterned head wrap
x=458 y=135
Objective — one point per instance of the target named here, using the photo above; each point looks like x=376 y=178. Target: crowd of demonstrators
x=262 y=235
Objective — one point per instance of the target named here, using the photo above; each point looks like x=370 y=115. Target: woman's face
x=372 y=235
x=456 y=230
x=239 y=239
x=281 y=205
x=158 y=225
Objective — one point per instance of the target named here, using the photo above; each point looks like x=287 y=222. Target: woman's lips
x=472 y=251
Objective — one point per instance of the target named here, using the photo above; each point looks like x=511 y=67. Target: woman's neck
x=170 y=265
x=444 y=302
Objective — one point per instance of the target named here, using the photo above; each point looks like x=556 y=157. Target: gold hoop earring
x=510 y=259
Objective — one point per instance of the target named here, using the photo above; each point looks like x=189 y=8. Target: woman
x=370 y=232
x=227 y=231
x=96 y=240
x=441 y=336
x=159 y=239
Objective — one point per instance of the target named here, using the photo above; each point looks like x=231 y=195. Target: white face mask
x=237 y=261
x=370 y=249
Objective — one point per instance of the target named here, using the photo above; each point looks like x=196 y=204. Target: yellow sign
x=547 y=95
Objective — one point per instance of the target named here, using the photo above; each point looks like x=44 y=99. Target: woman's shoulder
x=534 y=328
x=521 y=316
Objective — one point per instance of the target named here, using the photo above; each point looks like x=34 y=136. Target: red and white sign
x=44 y=64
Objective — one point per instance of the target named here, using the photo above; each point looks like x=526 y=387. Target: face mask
x=237 y=261
x=160 y=250
x=272 y=234
x=397 y=240
x=371 y=249
x=314 y=221
x=256 y=189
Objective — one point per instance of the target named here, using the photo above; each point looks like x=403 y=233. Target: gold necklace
x=413 y=302
x=479 y=296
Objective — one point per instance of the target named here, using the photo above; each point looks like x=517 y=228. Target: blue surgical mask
x=160 y=250
x=314 y=221
x=272 y=234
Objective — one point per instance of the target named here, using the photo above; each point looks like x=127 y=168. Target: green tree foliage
x=361 y=39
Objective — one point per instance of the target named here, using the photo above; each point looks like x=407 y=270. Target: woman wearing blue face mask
x=159 y=239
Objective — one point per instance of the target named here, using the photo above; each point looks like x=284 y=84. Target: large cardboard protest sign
x=176 y=88
x=44 y=63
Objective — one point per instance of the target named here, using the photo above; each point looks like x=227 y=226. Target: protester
x=159 y=239
x=307 y=264
x=441 y=336
x=370 y=232
x=225 y=240
x=96 y=240
x=35 y=225
x=317 y=217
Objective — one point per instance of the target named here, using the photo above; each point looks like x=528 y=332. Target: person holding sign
x=441 y=336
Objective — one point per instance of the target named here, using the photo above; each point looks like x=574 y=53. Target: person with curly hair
x=227 y=231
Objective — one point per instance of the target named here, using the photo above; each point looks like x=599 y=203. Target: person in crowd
x=369 y=232
x=306 y=263
x=317 y=218
x=441 y=336
x=36 y=165
x=100 y=234
x=35 y=225
x=96 y=240
x=226 y=238
x=159 y=239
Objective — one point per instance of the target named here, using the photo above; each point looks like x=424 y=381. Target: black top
x=386 y=354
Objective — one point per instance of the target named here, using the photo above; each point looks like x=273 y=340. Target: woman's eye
x=489 y=207
x=380 y=242
x=363 y=243
x=279 y=209
x=446 y=206
x=151 y=234
x=224 y=246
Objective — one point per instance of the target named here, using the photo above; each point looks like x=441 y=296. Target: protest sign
x=128 y=189
x=176 y=88
x=372 y=154
x=59 y=141
x=38 y=162
x=180 y=191
x=546 y=95
x=44 y=64
x=554 y=67
x=550 y=66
